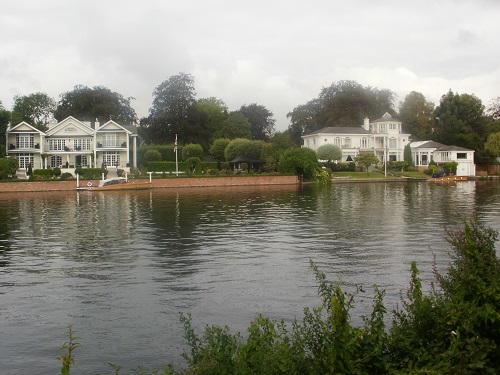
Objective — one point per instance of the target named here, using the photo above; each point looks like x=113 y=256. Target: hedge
x=202 y=167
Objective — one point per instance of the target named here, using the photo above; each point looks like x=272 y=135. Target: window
x=347 y=142
x=364 y=142
x=24 y=160
x=55 y=161
x=392 y=142
x=82 y=144
x=337 y=141
x=461 y=155
x=111 y=158
x=392 y=126
x=57 y=144
x=25 y=141
x=111 y=140
x=85 y=161
x=383 y=128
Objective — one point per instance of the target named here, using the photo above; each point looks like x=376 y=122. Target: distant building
x=424 y=152
x=72 y=143
x=384 y=137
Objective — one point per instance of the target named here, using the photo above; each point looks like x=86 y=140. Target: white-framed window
x=111 y=140
x=111 y=158
x=57 y=144
x=383 y=128
x=25 y=141
x=393 y=142
x=364 y=142
x=24 y=160
x=392 y=126
x=347 y=142
x=82 y=144
x=337 y=142
x=55 y=161
x=85 y=161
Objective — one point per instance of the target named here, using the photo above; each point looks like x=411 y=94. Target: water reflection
x=121 y=266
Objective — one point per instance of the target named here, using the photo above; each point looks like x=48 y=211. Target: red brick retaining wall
x=27 y=186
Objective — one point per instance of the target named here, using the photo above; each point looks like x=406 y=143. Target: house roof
x=386 y=117
x=341 y=130
x=31 y=129
x=440 y=147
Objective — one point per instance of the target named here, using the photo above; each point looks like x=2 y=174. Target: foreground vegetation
x=452 y=329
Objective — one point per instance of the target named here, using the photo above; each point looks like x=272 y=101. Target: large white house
x=424 y=152
x=384 y=137
x=72 y=143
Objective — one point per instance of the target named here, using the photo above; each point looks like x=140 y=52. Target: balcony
x=110 y=145
x=36 y=146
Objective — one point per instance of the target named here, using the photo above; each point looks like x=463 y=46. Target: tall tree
x=329 y=152
x=343 y=103
x=173 y=100
x=215 y=110
x=261 y=120
x=36 y=109
x=416 y=113
x=236 y=125
x=494 y=109
x=460 y=120
x=99 y=102
x=4 y=120
x=492 y=145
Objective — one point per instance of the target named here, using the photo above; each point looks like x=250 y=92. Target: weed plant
x=453 y=329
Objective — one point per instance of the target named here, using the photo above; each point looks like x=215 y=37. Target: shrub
x=152 y=155
x=299 y=161
x=56 y=171
x=43 y=173
x=66 y=175
x=192 y=151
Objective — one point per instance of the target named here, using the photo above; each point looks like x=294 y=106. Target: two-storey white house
x=72 y=143
x=424 y=152
x=384 y=137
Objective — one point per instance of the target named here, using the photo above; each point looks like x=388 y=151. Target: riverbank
x=158 y=183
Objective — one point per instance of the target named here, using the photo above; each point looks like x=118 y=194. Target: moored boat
x=119 y=183
x=446 y=177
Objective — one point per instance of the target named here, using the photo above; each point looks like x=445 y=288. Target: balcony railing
x=112 y=145
x=36 y=146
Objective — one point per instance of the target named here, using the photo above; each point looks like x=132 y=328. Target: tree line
x=459 y=119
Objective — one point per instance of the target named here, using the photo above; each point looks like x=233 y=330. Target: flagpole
x=176 y=159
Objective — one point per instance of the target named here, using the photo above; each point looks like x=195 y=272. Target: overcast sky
x=276 y=53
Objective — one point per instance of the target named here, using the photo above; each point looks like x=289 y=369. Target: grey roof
x=441 y=147
x=431 y=144
x=130 y=128
x=341 y=130
x=386 y=117
x=452 y=148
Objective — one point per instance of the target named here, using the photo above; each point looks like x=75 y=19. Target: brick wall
x=27 y=186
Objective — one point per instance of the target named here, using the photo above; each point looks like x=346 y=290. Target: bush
x=43 y=173
x=342 y=167
x=152 y=155
x=66 y=175
x=91 y=173
x=192 y=151
x=299 y=161
x=56 y=171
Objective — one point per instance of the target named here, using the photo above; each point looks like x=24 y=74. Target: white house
x=72 y=143
x=424 y=152
x=384 y=137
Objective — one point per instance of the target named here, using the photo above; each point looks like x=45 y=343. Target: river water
x=120 y=266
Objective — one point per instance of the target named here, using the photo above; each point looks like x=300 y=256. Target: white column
x=135 y=152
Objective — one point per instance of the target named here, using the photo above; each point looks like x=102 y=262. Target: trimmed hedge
x=45 y=173
x=91 y=173
x=201 y=167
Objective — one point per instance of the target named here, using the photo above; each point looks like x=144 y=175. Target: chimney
x=97 y=124
x=366 y=124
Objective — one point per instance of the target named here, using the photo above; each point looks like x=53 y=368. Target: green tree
x=407 y=155
x=494 y=109
x=416 y=113
x=99 y=102
x=329 y=152
x=236 y=125
x=192 y=150
x=343 y=103
x=215 y=110
x=4 y=120
x=8 y=167
x=241 y=147
x=173 y=100
x=218 y=148
x=36 y=109
x=460 y=121
x=261 y=120
x=492 y=145
x=299 y=161
x=366 y=159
